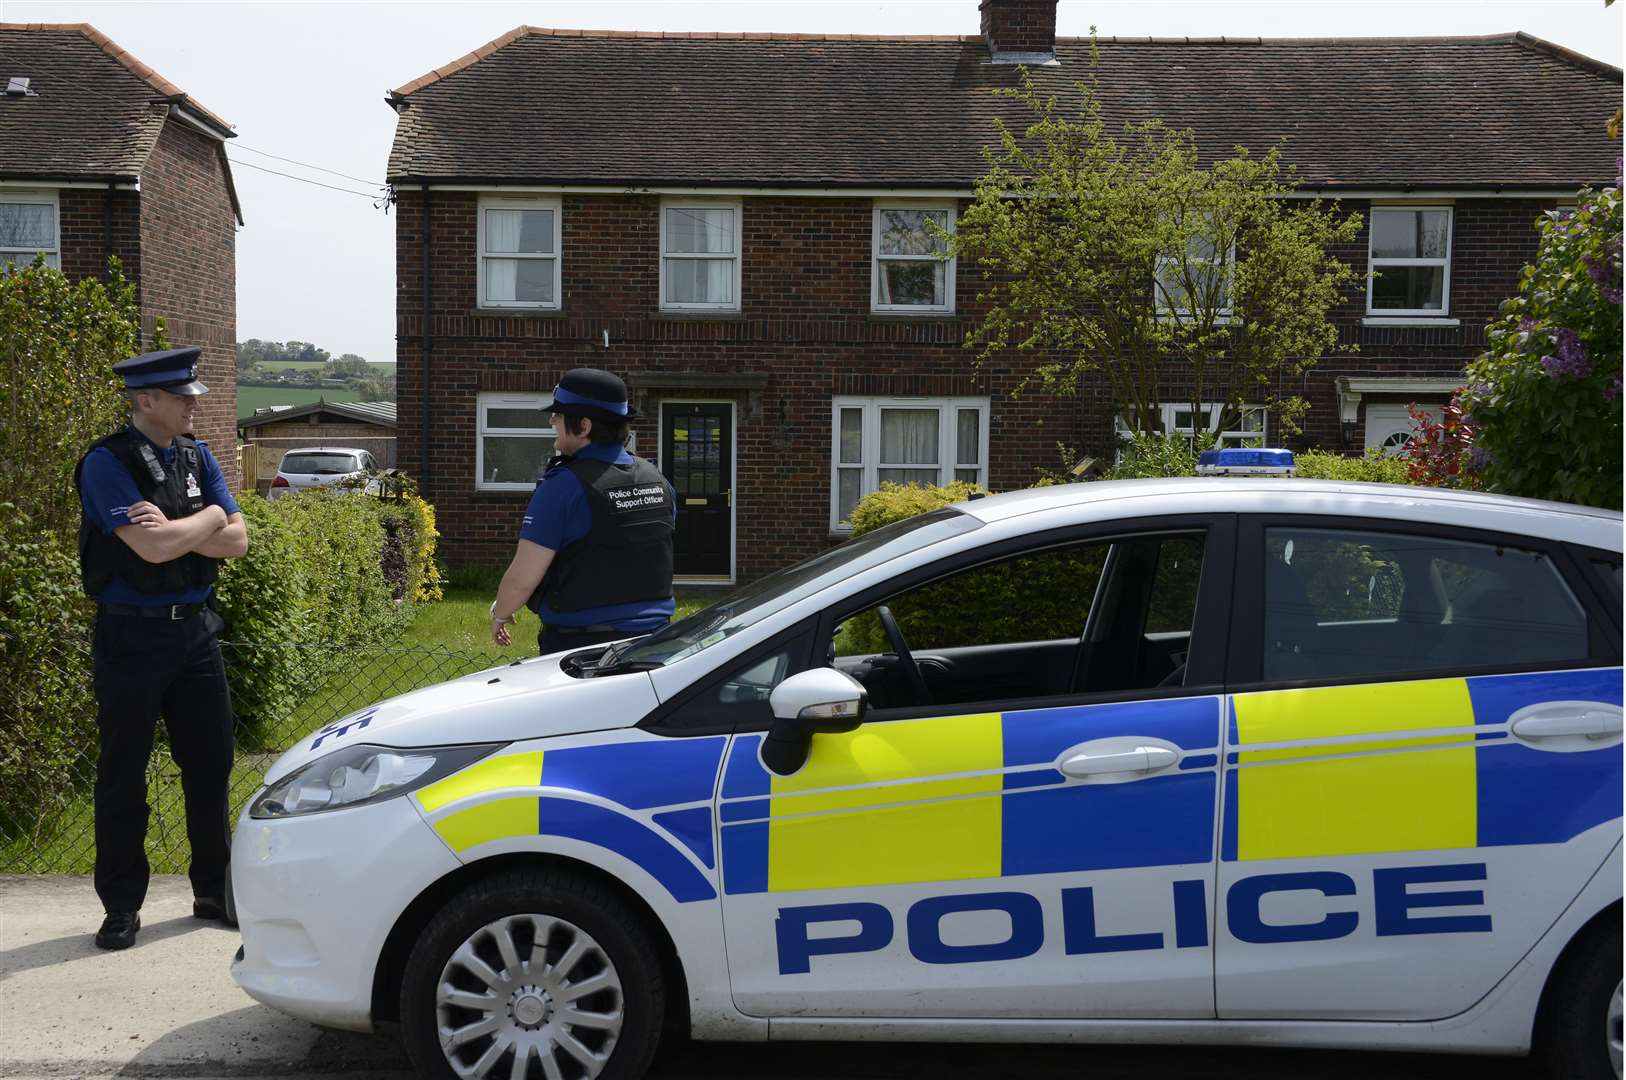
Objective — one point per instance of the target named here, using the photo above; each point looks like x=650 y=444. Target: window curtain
x=909 y=437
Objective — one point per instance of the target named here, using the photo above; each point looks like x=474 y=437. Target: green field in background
x=250 y=398
x=311 y=365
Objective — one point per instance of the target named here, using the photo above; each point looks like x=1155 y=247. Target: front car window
x=767 y=595
x=1347 y=603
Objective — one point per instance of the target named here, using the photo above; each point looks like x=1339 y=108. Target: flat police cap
x=591 y=392
x=175 y=370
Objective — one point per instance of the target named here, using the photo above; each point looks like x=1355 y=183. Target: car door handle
x=1568 y=719
x=1140 y=759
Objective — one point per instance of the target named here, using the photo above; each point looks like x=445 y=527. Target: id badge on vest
x=192 y=489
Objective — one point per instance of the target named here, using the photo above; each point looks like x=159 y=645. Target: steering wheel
x=906 y=659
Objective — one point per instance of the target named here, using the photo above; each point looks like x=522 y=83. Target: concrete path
x=168 y=1008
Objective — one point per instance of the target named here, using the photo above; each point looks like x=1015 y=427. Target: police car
x=1251 y=760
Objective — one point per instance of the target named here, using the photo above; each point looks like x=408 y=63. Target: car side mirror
x=822 y=700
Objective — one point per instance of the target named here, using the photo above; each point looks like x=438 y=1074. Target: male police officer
x=157 y=518
x=594 y=558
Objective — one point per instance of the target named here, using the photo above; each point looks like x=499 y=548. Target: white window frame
x=869 y=463
x=492 y=202
x=481 y=429
x=738 y=255
x=876 y=258
x=1374 y=264
x=1215 y=410
x=24 y=256
x=1169 y=311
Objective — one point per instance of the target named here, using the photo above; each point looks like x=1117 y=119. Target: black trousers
x=554 y=639
x=144 y=668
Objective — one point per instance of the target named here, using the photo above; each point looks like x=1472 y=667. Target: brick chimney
x=1019 y=31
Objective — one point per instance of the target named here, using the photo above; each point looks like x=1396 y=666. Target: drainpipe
x=107 y=229
x=423 y=435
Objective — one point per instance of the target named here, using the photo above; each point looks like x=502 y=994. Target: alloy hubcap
x=529 y=996
x=1612 y=1030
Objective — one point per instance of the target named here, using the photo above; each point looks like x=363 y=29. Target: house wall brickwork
x=188 y=237
x=85 y=218
x=806 y=329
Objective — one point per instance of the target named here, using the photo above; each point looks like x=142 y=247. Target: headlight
x=361 y=773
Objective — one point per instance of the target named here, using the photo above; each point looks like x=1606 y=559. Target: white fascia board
x=181 y=113
x=1433 y=193
x=698 y=192
x=52 y=185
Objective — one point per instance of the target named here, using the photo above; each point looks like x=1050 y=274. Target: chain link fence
x=48 y=765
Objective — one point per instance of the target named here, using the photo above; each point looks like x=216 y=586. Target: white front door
x=1389 y=428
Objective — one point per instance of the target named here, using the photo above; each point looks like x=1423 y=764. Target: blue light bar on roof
x=1238 y=461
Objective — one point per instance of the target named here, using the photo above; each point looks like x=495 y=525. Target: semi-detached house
x=736 y=223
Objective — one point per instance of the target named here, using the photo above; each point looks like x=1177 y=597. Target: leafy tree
x=59 y=340
x=1544 y=400
x=348 y=365
x=1132 y=258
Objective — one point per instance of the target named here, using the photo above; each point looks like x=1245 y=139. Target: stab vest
x=626 y=555
x=103 y=556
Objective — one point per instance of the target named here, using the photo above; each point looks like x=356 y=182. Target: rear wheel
x=1581 y=1027
x=533 y=975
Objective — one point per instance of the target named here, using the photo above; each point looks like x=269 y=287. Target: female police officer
x=594 y=558
x=157 y=518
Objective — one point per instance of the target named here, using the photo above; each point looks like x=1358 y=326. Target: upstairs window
x=700 y=256
x=1410 y=260
x=519 y=253
x=910 y=274
x=1204 y=279
x=28 y=226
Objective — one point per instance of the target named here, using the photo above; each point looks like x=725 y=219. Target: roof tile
x=729 y=109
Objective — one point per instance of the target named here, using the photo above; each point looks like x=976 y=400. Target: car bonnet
x=531 y=699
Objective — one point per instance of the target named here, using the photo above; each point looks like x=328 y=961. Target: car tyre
x=535 y=962
x=1581 y=1027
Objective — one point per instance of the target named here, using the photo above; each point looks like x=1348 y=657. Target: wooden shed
x=270 y=433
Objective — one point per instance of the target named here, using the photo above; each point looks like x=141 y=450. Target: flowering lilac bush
x=1542 y=408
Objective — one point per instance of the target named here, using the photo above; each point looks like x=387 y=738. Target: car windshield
x=761 y=598
x=319 y=464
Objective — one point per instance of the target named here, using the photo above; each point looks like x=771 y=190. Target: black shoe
x=208 y=907
x=118 y=930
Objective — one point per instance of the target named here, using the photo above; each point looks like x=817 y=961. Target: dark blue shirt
x=107 y=491
x=559 y=515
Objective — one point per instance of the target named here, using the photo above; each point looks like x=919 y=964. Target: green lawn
x=250 y=398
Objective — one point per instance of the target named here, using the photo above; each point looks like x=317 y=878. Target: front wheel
x=1581 y=1028
x=533 y=975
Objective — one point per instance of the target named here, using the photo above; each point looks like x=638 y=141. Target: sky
x=306 y=81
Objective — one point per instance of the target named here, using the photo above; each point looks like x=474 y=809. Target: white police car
x=1250 y=760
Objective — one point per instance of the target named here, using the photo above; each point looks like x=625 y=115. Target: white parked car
x=1235 y=761
x=319 y=466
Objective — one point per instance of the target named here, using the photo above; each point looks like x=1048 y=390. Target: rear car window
x=1354 y=603
x=319 y=464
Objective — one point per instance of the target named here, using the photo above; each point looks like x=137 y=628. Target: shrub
x=1149 y=456
x=48 y=715
x=1374 y=467
x=1544 y=400
x=1440 y=453
x=59 y=341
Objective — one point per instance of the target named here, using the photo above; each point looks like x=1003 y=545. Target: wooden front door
x=697 y=456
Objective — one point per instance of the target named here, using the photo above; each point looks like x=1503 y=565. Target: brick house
x=733 y=222
x=101 y=156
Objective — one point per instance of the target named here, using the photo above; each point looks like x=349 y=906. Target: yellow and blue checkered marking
x=674 y=778
x=966 y=797
x=1410 y=766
